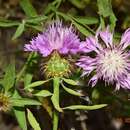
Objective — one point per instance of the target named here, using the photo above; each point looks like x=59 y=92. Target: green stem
x=55 y=101
x=55 y=96
x=56 y=84
x=55 y=120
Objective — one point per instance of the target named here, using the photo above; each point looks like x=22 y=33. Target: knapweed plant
x=63 y=70
x=57 y=42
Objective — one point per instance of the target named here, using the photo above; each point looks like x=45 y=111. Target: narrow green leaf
x=55 y=96
x=19 y=30
x=27 y=79
x=85 y=30
x=43 y=93
x=57 y=3
x=36 y=20
x=28 y=8
x=70 y=81
x=78 y=3
x=35 y=84
x=9 y=78
x=105 y=10
x=8 y=23
x=102 y=22
x=70 y=91
x=20 y=113
x=33 y=122
x=66 y=17
x=16 y=94
x=36 y=27
x=113 y=20
x=21 y=118
x=82 y=29
x=104 y=7
x=52 y=7
x=87 y=20
x=83 y=107
x=24 y=101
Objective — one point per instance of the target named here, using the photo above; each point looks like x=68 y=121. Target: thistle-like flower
x=111 y=62
x=56 y=37
x=56 y=40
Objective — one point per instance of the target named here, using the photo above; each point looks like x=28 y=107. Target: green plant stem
x=55 y=120
x=56 y=84
x=55 y=96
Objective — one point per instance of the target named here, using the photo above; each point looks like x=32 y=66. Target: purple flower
x=55 y=37
x=111 y=62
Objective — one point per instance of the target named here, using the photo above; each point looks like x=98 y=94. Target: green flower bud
x=57 y=66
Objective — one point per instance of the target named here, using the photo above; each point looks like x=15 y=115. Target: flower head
x=5 y=102
x=111 y=63
x=55 y=37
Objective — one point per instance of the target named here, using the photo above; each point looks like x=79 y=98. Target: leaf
x=43 y=93
x=19 y=30
x=21 y=118
x=57 y=3
x=8 y=23
x=50 y=7
x=82 y=29
x=66 y=17
x=24 y=101
x=70 y=91
x=87 y=20
x=28 y=8
x=84 y=107
x=20 y=113
x=78 y=3
x=105 y=8
x=102 y=22
x=36 y=20
x=70 y=81
x=113 y=20
x=36 y=27
x=27 y=79
x=9 y=78
x=35 y=84
x=55 y=96
x=33 y=122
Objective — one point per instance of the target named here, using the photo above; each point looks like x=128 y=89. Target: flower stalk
x=55 y=101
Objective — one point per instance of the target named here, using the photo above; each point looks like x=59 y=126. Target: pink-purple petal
x=87 y=63
x=125 y=39
x=55 y=37
x=90 y=45
x=107 y=37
